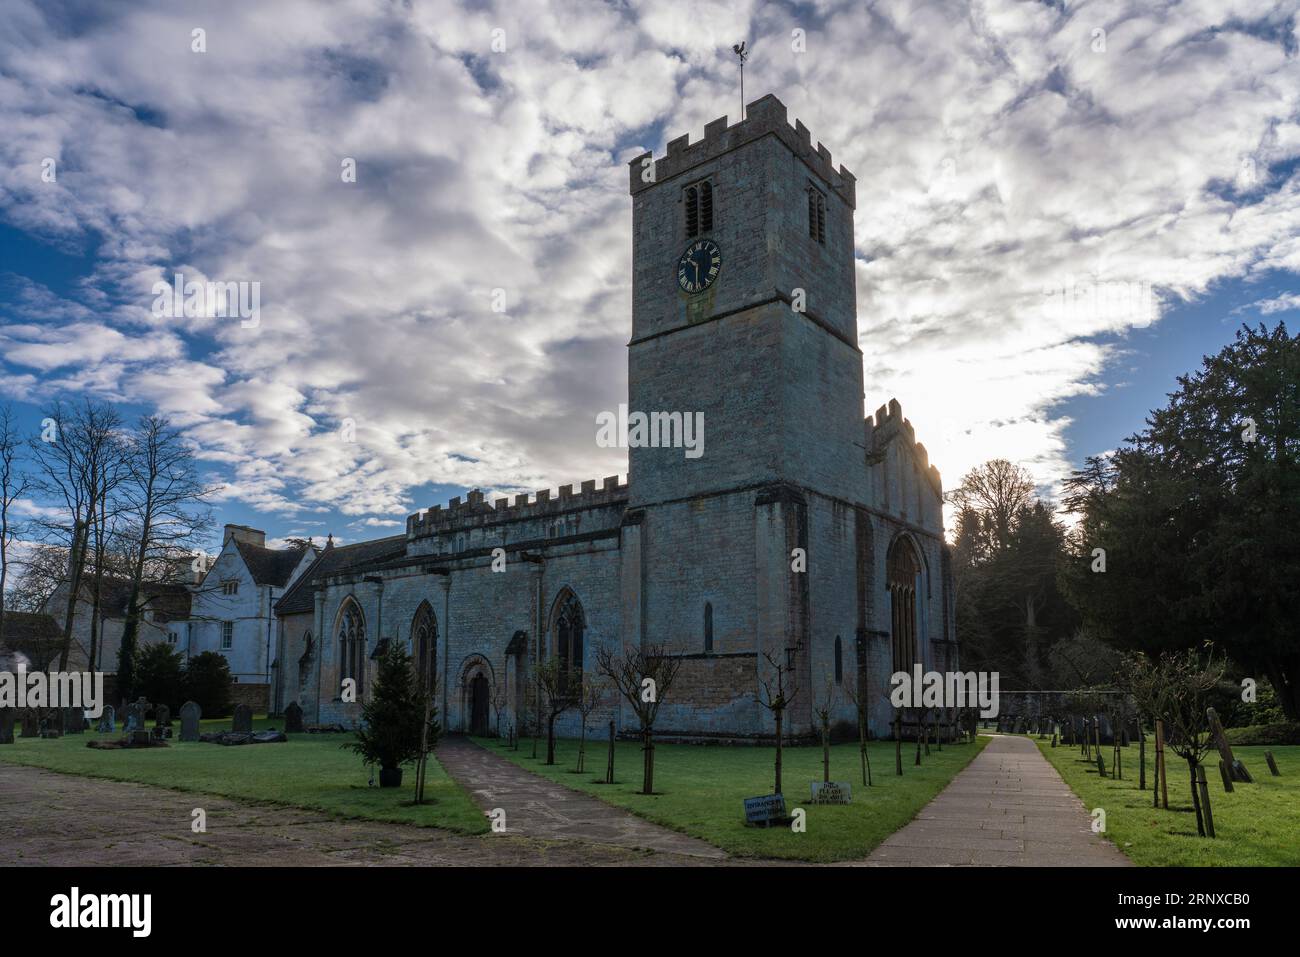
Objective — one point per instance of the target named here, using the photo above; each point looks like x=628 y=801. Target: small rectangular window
x=227 y=635
x=230 y=588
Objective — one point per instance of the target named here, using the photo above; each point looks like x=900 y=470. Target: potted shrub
x=391 y=732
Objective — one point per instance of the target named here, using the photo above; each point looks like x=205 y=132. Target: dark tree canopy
x=1199 y=517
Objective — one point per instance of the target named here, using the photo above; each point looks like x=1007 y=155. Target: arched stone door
x=478 y=705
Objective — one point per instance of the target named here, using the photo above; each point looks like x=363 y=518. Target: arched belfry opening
x=903 y=575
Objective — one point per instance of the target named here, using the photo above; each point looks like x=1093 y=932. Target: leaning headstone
x=1272 y=764
x=293 y=718
x=243 y=720
x=107 y=721
x=6 y=725
x=1239 y=772
x=190 y=714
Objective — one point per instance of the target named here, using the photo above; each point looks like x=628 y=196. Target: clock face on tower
x=699 y=265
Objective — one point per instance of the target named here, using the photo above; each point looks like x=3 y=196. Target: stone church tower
x=800 y=532
x=768 y=539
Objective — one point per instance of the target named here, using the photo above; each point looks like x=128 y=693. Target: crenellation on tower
x=765 y=116
x=476 y=511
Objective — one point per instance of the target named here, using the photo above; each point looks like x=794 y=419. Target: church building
x=805 y=533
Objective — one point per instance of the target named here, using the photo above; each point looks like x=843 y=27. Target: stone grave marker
x=163 y=716
x=190 y=714
x=7 y=725
x=74 y=721
x=31 y=723
x=1239 y=772
x=242 y=723
x=135 y=712
x=1272 y=764
x=107 y=721
x=293 y=718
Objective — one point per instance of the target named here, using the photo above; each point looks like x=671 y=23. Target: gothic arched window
x=699 y=209
x=816 y=215
x=567 y=628
x=708 y=626
x=305 y=662
x=424 y=645
x=352 y=644
x=901 y=575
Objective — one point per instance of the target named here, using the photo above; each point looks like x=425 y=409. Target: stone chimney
x=242 y=533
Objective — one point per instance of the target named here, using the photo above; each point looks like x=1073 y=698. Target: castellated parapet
x=763 y=117
x=476 y=512
x=890 y=424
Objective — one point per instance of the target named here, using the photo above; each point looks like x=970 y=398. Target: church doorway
x=478 y=705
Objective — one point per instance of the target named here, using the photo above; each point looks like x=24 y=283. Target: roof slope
x=270 y=566
x=335 y=560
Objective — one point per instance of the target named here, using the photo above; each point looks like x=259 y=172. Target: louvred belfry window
x=692 y=211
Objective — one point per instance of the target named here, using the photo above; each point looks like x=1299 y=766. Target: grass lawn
x=1257 y=824
x=309 y=771
x=702 y=789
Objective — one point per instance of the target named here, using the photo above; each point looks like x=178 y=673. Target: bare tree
x=74 y=452
x=41 y=571
x=859 y=697
x=643 y=677
x=162 y=500
x=553 y=683
x=590 y=697
x=1191 y=676
x=776 y=698
x=497 y=701
x=13 y=485
x=822 y=708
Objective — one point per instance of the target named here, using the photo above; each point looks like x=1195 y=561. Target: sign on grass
x=761 y=810
x=831 y=792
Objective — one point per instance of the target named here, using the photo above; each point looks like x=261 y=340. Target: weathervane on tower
x=739 y=50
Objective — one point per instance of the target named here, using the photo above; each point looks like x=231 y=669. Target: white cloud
x=998 y=156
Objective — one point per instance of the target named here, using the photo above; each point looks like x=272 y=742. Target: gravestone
x=1239 y=772
x=134 y=717
x=74 y=721
x=163 y=717
x=6 y=725
x=31 y=724
x=293 y=718
x=242 y=723
x=190 y=714
x=107 y=720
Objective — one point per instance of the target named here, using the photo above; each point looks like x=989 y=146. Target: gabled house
x=232 y=607
x=164 y=607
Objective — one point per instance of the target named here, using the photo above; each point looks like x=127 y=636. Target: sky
x=1061 y=207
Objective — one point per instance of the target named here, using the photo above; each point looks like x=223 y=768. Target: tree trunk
x=826 y=750
x=76 y=557
x=550 y=739
x=898 y=745
x=777 y=789
x=648 y=774
x=582 y=746
x=862 y=748
x=609 y=767
x=1196 y=798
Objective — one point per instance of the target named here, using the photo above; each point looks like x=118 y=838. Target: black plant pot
x=390 y=777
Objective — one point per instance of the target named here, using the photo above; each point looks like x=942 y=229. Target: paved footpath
x=1008 y=807
x=538 y=808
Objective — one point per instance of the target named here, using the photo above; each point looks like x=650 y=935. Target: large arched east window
x=424 y=645
x=568 y=625
x=352 y=644
x=903 y=570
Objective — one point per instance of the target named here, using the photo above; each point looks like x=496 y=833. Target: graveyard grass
x=700 y=790
x=308 y=771
x=1257 y=824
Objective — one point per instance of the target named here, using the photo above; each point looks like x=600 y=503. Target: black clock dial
x=699 y=266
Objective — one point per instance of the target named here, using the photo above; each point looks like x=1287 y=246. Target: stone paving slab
x=1007 y=808
x=539 y=808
